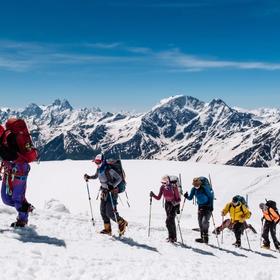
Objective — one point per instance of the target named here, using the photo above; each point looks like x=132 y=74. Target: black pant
x=108 y=210
x=238 y=229
x=270 y=227
x=170 y=219
x=204 y=215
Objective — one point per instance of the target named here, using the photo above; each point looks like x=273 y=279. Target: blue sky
x=120 y=54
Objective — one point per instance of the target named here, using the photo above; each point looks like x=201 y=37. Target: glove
x=186 y=195
x=223 y=213
x=178 y=209
x=152 y=194
x=114 y=190
x=243 y=216
x=86 y=177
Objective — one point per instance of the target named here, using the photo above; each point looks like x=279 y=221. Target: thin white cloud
x=192 y=63
x=25 y=56
x=105 y=46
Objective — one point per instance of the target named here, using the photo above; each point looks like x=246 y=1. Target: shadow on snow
x=29 y=235
x=133 y=243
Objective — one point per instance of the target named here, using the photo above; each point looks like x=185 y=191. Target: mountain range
x=178 y=128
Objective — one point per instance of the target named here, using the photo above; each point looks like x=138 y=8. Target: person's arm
x=247 y=213
x=158 y=197
x=95 y=176
x=226 y=209
x=191 y=195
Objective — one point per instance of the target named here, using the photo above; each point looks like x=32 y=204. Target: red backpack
x=16 y=143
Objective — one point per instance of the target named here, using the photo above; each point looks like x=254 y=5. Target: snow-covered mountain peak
x=61 y=105
x=179 y=127
x=32 y=110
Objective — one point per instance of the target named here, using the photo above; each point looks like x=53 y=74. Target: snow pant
x=238 y=229
x=14 y=188
x=204 y=215
x=270 y=227
x=171 y=211
x=108 y=207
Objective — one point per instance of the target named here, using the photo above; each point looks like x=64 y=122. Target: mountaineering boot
x=199 y=240
x=237 y=243
x=217 y=231
x=122 y=226
x=18 y=224
x=107 y=229
x=205 y=238
x=265 y=246
x=171 y=240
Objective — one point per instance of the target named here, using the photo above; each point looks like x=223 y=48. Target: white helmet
x=98 y=159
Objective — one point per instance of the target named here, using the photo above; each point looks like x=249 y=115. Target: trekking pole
x=247 y=239
x=213 y=219
x=89 y=199
x=127 y=200
x=215 y=230
x=222 y=238
x=123 y=176
x=179 y=227
x=113 y=207
x=261 y=234
x=182 y=210
x=98 y=194
x=150 y=215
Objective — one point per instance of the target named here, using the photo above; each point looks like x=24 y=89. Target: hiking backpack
x=116 y=165
x=205 y=184
x=16 y=143
x=175 y=182
x=272 y=204
x=242 y=200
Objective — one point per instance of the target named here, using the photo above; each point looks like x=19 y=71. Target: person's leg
x=18 y=196
x=273 y=235
x=106 y=220
x=6 y=198
x=170 y=221
x=237 y=229
x=265 y=233
x=205 y=224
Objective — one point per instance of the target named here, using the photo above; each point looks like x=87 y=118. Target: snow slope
x=61 y=243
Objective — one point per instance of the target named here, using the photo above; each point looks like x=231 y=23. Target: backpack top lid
x=271 y=204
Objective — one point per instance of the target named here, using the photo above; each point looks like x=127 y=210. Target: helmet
x=196 y=182
x=165 y=180
x=263 y=206
x=235 y=199
x=98 y=159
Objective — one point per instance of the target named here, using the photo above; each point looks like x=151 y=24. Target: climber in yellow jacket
x=239 y=213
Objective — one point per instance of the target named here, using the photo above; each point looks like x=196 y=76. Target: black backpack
x=116 y=165
x=272 y=204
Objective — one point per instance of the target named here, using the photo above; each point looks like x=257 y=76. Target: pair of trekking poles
x=111 y=199
x=150 y=217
